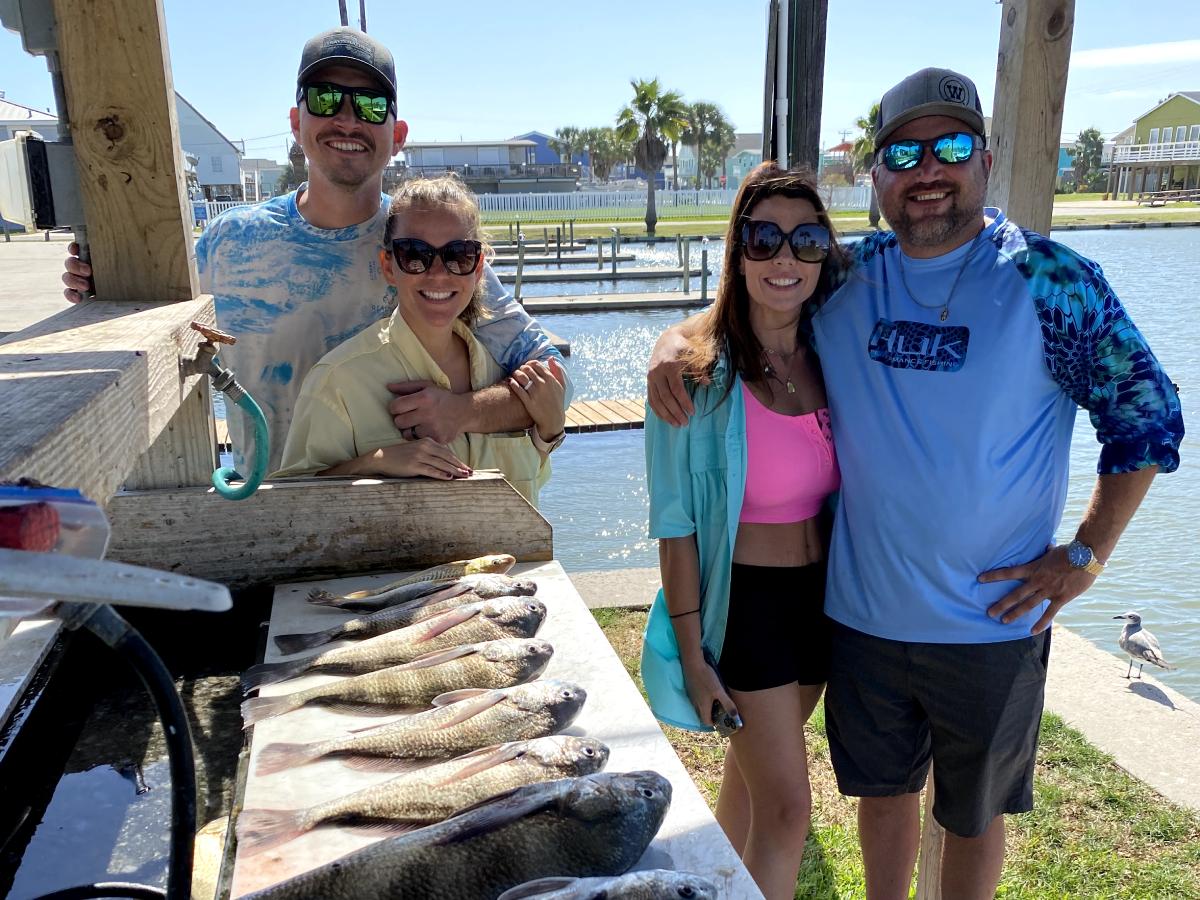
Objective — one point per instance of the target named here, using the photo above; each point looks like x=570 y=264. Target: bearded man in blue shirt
x=955 y=354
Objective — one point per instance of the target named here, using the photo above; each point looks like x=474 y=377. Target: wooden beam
x=86 y=392
x=121 y=107
x=807 y=75
x=185 y=452
x=933 y=840
x=1031 y=83
x=306 y=528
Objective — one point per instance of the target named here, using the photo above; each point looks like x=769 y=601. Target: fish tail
x=256 y=709
x=269 y=673
x=324 y=598
x=294 y=643
x=262 y=829
x=277 y=757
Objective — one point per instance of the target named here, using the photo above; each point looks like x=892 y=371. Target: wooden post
x=806 y=76
x=545 y=240
x=933 y=840
x=1031 y=82
x=687 y=265
x=121 y=107
x=558 y=244
x=572 y=241
x=520 y=266
x=600 y=254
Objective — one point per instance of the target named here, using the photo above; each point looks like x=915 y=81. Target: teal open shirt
x=696 y=478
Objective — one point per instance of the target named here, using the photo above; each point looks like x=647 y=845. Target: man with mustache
x=955 y=354
x=295 y=276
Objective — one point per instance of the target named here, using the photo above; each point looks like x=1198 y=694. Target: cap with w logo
x=930 y=92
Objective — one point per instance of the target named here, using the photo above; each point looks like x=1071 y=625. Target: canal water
x=597 y=502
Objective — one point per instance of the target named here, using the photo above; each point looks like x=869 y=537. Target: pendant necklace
x=944 y=307
x=768 y=369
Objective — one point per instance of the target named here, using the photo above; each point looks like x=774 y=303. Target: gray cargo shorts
x=973 y=709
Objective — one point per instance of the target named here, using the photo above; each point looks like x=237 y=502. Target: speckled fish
x=650 y=884
x=492 y=664
x=495 y=563
x=430 y=794
x=488 y=587
x=595 y=825
x=462 y=721
x=486 y=620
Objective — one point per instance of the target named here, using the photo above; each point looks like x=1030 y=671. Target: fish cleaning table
x=615 y=713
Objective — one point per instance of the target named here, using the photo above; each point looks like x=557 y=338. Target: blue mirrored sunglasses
x=957 y=147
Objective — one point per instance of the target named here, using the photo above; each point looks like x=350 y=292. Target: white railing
x=1179 y=151
x=603 y=206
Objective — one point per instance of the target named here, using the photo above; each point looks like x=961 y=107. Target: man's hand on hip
x=421 y=409
x=1049 y=577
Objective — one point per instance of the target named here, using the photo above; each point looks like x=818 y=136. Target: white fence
x=602 y=206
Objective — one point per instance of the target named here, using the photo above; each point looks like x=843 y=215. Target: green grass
x=1096 y=833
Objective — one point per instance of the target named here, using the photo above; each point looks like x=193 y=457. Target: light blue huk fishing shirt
x=291 y=292
x=953 y=437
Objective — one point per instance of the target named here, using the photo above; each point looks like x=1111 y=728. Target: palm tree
x=709 y=130
x=719 y=145
x=605 y=150
x=653 y=115
x=567 y=142
x=864 y=153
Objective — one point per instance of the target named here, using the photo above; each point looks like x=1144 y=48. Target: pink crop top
x=791 y=466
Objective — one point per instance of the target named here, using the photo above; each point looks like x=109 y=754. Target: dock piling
x=600 y=254
x=679 y=248
x=615 y=239
x=520 y=266
x=687 y=265
x=510 y=232
x=558 y=244
x=572 y=241
x=704 y=268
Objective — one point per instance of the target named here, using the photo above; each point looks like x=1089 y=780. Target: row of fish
x=459 y=638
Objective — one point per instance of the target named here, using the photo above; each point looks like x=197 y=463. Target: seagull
x=1140 y=644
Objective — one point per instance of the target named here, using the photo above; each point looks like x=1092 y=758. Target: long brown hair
x=443 y=192
x=726 y=326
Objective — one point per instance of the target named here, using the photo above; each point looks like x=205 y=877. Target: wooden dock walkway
x=632 y=273
x=573 y=258
x=583 y=417
x=504 y=248
x=607 y=302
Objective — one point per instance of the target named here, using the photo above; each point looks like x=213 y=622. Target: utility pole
x=362 y=16
x=342 y=10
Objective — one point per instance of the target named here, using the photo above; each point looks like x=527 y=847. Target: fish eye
x=588 y=751
x=567 y=695
x=686 y=891
x=647 y=793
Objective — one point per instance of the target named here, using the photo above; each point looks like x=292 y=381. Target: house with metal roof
x=1164 y=153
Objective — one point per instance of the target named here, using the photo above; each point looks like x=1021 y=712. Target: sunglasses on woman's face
x=762 y=241
x=323 y=99
x=957 y=147
x=415 y=256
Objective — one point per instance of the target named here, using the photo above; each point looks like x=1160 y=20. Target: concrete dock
x=607 y=302
x=632 y=273
x=572 y=258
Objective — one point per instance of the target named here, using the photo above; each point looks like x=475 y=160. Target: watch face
x=1078 y=554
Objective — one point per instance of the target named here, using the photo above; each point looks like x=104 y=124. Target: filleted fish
x=491 y=664
x=486 y=620
x=461 y=721
x=430 y=794
x=595 y=825
x=394 y=591
x=649 y=884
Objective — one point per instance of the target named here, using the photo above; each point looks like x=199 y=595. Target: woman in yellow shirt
x=434 y=258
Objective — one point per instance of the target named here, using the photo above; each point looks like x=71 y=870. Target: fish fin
x=438 y=657
x=324 y=598
x=277 y=757
x=471 y=706
x=262 y=829
x=457 y=696
x=482 y=760
x=382 y=828
x=537 y=888
x=269 y=673
x=501 y=809
x=437 y=594
x=387 y=764
x=294 y=643
x=444 y=621
x=256 y=709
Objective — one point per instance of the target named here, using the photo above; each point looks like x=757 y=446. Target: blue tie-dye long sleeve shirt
x=291 y=292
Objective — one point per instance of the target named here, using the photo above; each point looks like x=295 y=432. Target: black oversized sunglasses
x=762 y=240
x=323 y=99
x=415 y=256
x=956 y=147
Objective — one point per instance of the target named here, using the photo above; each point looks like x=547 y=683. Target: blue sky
x=473 y=70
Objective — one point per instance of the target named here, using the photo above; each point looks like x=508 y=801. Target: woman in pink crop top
x=773 y=658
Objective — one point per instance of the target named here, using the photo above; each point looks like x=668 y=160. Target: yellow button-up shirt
x=342 y=409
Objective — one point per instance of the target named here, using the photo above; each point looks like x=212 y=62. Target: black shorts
x=974 y=709
x=777 y=632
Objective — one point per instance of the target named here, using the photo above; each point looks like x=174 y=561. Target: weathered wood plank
x=1031 y=84
x=305 y=528
x=635 y=407
x=185 y=452
x=587 y=416
x=620 y=415
x=933 y=841
x=121 y=107
x=85 y=392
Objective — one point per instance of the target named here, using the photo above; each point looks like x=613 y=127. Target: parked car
x=223 y=198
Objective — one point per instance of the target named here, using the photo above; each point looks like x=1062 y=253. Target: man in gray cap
x=955 y=354
x=297 y=275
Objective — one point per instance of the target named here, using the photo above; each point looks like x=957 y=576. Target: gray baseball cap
x=346 y=46
x=930 y=92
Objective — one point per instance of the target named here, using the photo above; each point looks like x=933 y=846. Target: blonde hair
x=450 y=193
